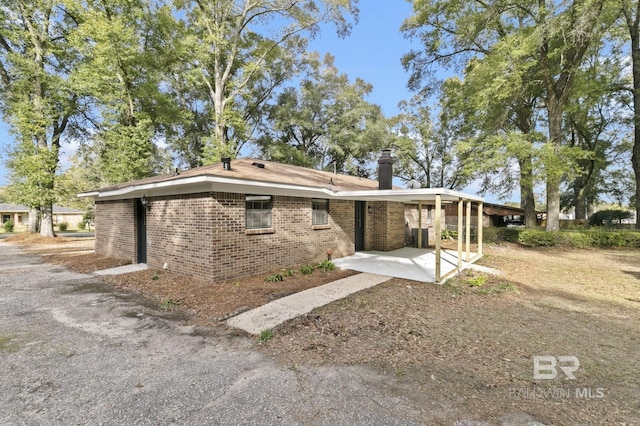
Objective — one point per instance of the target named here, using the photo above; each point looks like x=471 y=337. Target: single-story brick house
x=19 y=214
x=250 y=216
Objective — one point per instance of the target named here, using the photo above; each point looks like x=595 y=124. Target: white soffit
x=197 y=184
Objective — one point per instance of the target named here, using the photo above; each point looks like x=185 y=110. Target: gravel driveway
x=74 y=351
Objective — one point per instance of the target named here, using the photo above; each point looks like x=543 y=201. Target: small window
x=258 y=212
x=320 y=212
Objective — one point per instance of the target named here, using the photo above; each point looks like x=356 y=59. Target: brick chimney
x=385 y=169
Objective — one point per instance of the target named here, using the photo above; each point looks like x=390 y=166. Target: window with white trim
x=320 y=210
x=258 y=212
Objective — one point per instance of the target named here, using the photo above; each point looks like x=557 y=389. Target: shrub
x=81 y=225
x=274 y=278
x=609 y=217
x=535 y=238
x=307 y=269
x=62 y=226
x=8 y=226
x=602 y=238
x=326 y=266
x=573 y=239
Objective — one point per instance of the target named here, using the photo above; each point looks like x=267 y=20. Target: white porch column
x=480 y=207
x=460 y=231
x=438 y=235
x=468 y=234
x=420 y=225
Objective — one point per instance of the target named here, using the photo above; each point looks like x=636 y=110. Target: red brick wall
x=204 y=235
x=115 y=229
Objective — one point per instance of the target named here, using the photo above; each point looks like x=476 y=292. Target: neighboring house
x=497 y=215
x=19 y=214
x=250 y=216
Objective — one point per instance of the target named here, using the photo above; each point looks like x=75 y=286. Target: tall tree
x=427 y=152
x=552 y=35
x=36 y=61
x=631 y=14
x=596 y=122
x=325 y=122
x=231 y=42
x=128 y=47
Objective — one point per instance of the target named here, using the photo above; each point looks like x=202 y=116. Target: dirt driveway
x=74 y=351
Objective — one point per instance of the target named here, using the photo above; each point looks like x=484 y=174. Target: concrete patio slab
x=408 y=263
x=126 y=269
x=275 y=313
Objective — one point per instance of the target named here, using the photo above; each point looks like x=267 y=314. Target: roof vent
x=226 y=163
x=258 y=165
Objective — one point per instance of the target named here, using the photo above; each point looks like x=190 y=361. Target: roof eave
x=210 y=183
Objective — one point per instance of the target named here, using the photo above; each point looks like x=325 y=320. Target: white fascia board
x=408 y=195
x=88 y=194
x=230 y=185
x=210 y=183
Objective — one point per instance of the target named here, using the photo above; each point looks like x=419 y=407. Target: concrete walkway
x=275 y=313
x=125 y=269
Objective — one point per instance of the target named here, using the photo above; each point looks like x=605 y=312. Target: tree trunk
x=46 y=225
x=554 y=166
x=527 y=197
x=635 y=157
x=32 y=228
x=579 y=202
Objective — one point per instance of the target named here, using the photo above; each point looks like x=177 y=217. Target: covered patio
x=408 y=263
x=434 y=265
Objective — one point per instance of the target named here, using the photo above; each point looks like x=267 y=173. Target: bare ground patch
x=469 y=345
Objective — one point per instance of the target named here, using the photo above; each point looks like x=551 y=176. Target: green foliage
x=169 y=304
x=266 y=335
x=477 y=281
x=324 y=122
x=8 y=226
x=307 y=269
x=577 y=239
x=602 y=238
x=62 y=226
x=537 y=238
x=326 y=266
x=609 y=218
x=288 y=272
x=497 y=235
x=82 y=225
x=274 y=278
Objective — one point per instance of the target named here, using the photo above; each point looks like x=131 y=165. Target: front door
x=359 y=224
x=141 y=227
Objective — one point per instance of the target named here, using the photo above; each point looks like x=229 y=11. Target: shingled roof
x=252 y=169
x=261 y=177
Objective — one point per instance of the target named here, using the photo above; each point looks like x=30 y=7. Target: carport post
x=420 y=224
x=480 y=207
x=438 y=234
x=468 y=235
x=460 y=231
